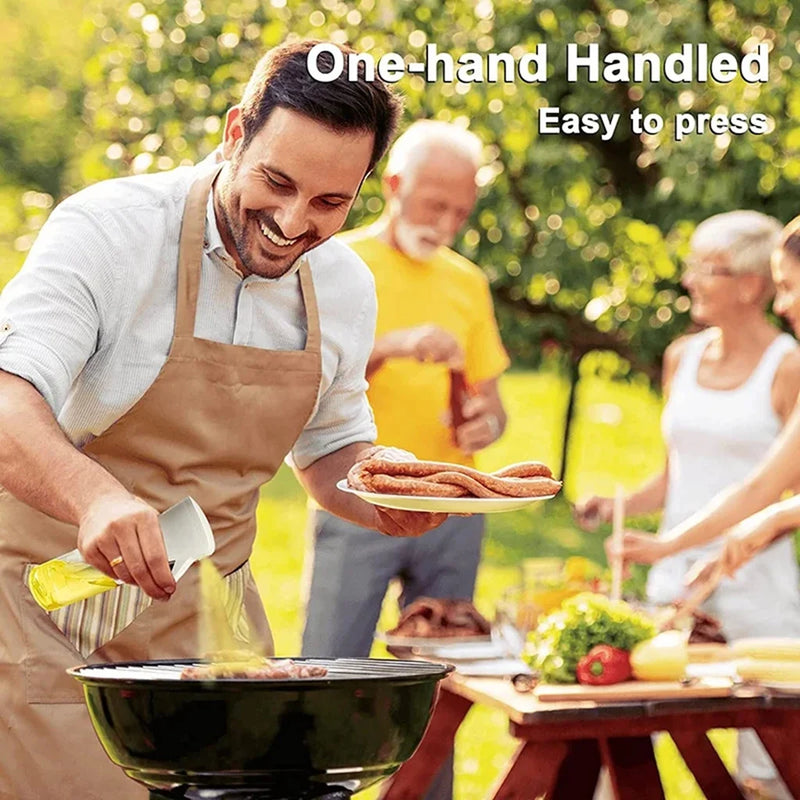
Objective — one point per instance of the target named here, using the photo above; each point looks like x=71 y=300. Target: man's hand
x=320 y=478
x=482 y=427
x=426 y=343
x=124 y=527
x=591 y=512
x=394 y=522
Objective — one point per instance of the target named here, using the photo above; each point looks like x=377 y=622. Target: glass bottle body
x=66 y=579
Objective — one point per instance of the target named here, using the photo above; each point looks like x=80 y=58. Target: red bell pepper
x=604 y=665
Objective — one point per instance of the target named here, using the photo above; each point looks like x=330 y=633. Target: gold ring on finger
x=115 y=562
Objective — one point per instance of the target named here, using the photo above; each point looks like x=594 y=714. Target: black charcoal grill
x=241 y=739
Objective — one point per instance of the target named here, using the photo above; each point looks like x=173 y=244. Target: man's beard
x=411 y=239
x=244 y=240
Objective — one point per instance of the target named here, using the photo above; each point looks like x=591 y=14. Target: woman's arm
x=747 y=538
x=647 y=498
x=758 y=531
x=778 y=471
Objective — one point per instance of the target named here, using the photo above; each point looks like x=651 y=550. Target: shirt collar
x=213 y=246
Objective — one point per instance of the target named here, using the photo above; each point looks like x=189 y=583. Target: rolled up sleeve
x=55 y=312
x=343 y=414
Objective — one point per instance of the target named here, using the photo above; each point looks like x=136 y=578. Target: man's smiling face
x=289 y=190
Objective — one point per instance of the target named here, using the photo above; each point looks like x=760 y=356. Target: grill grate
x=339 y=669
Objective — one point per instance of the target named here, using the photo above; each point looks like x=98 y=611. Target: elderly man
x=435 y=319
x=171 y=335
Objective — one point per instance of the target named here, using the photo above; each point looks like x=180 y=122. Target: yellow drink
x=62 y=581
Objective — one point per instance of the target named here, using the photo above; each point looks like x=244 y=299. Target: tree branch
x=581 y=336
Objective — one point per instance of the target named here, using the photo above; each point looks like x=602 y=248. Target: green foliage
x=581 y=238
x=565 y=636
x=41 y=92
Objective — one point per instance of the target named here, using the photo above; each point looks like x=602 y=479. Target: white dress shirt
x=89 y=318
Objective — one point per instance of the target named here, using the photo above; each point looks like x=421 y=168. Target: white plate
x=431 y=643
x=445 y=505
x=463 y=651
x=783 y=687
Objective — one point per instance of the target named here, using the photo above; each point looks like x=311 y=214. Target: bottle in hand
x=459 y=392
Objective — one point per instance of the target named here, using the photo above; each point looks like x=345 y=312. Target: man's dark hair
x=281 y=80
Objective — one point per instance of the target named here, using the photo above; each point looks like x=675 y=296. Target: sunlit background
x=582 y=239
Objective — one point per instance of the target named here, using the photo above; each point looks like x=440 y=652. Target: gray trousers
x=351 y=571
x=352 y=568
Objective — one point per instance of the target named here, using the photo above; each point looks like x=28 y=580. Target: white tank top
x=714 y=439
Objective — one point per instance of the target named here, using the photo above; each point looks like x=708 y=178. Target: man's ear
x=234 y=132
x=391 y=185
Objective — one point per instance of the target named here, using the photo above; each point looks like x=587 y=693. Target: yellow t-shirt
x=410 y=398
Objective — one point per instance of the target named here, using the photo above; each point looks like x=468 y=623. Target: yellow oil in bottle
x=61 y=581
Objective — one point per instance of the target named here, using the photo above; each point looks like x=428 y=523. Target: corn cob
x=708 y=653
x=771 y=648
x=763 y=670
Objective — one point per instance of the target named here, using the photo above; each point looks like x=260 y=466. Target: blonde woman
x=730 y=389
x=747 y=536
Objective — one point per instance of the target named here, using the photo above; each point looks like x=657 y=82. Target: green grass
x=616 y=441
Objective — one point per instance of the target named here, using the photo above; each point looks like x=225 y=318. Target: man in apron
x=171 y=335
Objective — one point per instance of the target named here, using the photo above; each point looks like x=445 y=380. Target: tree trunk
x=573 y=367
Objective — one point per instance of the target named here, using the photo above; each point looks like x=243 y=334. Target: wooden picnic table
x=564 y=744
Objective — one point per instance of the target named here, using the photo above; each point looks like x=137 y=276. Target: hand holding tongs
x=703 y=578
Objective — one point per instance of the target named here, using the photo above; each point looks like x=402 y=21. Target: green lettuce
x=565 y=636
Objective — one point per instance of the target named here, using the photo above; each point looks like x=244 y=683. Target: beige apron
x=215 y=425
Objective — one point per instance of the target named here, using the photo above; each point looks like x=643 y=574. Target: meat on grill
x=261 y=669
x=429 y=617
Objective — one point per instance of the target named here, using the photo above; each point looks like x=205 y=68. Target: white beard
x=411 y=239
